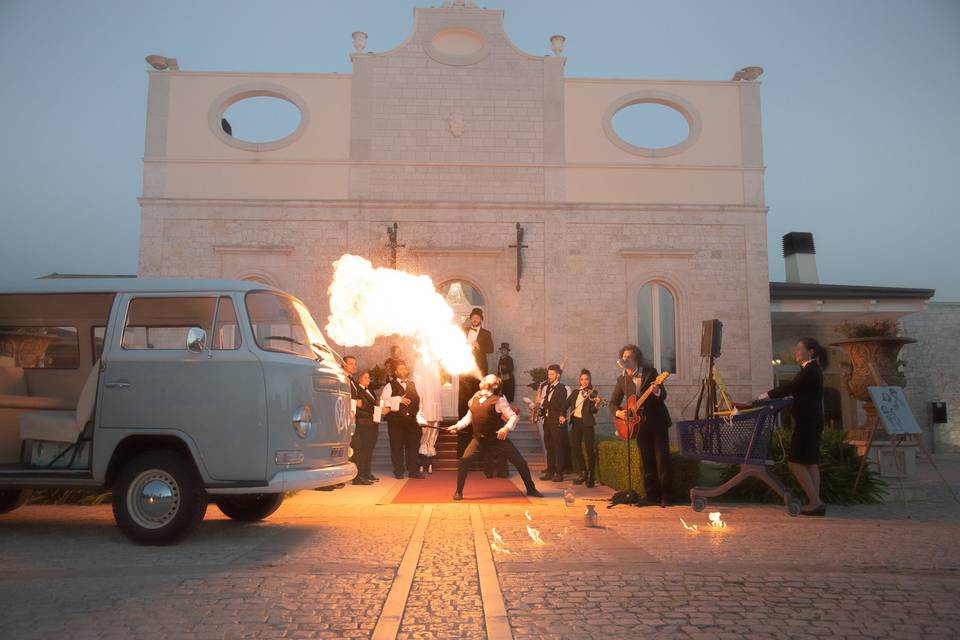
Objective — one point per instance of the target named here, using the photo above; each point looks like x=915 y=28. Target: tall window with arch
x=657 y=326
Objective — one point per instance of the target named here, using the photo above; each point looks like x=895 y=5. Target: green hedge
x=838 y=471
x=612 y=468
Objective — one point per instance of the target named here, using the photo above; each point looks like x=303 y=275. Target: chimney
x=799 y=256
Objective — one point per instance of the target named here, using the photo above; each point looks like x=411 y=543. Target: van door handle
x=116 y=384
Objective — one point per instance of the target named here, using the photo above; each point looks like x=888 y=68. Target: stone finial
x=359 y=40
x=556 y=44
x=748 y=74
x=162 y=63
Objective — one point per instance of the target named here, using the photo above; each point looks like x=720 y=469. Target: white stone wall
x=932 y=371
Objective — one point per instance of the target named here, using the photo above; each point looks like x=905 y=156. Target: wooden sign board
x=894 y=411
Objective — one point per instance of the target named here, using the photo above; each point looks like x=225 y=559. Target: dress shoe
x=458 y=496
x=579 y=480
x=330 y=488
x=664 y=502
x=558 y=477
x=533 y=493
x=398 y=475
x=590 y=483
x=340 y=485
x=416 y=475
x=372 y=478
x=546 y=475
x=819 y=511
x=361 y=481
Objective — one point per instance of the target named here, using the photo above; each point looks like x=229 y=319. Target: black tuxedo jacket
x=588 y=410
x=657 y=414
x=554 y=405
x=482 y=348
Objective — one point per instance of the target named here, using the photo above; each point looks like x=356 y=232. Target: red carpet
x=439 y=487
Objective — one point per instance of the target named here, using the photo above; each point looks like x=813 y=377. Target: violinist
x=583 y=405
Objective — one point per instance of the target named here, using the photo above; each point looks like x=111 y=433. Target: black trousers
x=404 y=435
x=366 y=436
x=554 y=437
x=492 y=445
x=654 y=445
x=583 y=435
x=509 y=389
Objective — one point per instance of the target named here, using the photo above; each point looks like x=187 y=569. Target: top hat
x=505 y=345
x=477 y=311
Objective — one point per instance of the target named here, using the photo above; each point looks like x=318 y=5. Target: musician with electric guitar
x=638 y=405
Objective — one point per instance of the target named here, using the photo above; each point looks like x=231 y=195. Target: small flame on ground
x=689 y=527
x=535 y=535
x=360 y=294
x=496 y=536
x=715 y=521
x=499 y=549
x=527 y=514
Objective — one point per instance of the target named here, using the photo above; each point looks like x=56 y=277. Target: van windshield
x=284 y=324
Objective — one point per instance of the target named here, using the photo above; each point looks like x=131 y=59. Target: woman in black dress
x=807 y=411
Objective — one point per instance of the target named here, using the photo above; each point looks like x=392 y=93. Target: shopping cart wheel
x=793 y=508
x=700 y=503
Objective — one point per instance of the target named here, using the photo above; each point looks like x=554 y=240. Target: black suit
x=505 y=371
x=554 y=434
x=403 y=429
x=366 y=433
x=469 y=385
x=653 y=436
x=582 y=429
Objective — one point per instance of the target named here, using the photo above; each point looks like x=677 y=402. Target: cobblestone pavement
x=323 y=565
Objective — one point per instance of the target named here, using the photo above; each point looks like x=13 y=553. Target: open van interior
x=49 y=365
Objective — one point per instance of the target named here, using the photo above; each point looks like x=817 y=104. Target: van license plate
x=336 y=452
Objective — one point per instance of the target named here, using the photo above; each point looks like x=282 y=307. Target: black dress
x=807 y=411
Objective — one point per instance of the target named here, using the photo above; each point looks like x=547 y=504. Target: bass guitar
x=633 y=411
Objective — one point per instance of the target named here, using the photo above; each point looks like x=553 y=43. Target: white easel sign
x=894 y=411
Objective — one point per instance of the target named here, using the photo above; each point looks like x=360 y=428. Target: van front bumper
x=297 y=479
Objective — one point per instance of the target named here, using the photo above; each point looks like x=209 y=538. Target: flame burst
x=689 y=527
x=535 y=535
x=368 y=302
x=496 y=536
x=527 y=514
x=715 y=521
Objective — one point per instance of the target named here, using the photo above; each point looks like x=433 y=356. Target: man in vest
x=403 y=426
x=486 y=414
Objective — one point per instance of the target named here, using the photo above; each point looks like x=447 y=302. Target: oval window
x=261 y=119
x=650 y=125
x=457 y=41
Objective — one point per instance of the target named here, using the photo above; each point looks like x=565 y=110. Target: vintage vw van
x=170 y=393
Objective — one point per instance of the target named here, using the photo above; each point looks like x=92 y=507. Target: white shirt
x=472 y=335
x=578 y=406
x=503 y=408
x=387 y=392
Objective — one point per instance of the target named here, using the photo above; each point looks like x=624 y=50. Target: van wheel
x=251 y=507
x=11 y=499
x=158 y=498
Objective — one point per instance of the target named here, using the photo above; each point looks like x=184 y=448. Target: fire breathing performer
x=403 y=422
x=487 y=411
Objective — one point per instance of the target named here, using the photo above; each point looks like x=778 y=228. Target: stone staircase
x=526 y=437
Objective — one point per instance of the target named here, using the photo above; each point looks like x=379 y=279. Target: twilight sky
x=860 y=102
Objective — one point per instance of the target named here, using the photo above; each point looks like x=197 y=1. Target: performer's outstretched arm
x=462 y=423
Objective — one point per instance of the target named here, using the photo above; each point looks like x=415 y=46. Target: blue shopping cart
x=744 y=439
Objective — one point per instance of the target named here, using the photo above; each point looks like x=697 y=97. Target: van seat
x=63 y=426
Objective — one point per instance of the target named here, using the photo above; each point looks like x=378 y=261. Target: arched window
x=657 y=326
x=462 y=297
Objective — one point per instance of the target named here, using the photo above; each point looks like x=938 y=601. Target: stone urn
x=882 y=353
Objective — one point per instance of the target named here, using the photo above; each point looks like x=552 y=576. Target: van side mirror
x=196 y=340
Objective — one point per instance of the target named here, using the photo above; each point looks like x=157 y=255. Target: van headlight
x=303 y=421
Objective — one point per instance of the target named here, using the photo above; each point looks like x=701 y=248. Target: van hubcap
x=153 y=499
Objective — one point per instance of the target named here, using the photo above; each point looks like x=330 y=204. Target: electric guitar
x=634 y=412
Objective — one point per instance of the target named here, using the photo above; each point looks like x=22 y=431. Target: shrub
x=612 y=468
x=875 y=329
x=838 y=471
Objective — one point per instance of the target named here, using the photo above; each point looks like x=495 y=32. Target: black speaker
x=711 y=338
x=939 y=412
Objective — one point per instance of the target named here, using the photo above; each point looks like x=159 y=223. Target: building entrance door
x=463 y=297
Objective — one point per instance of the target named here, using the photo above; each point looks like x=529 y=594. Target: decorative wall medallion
x=456 y=125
